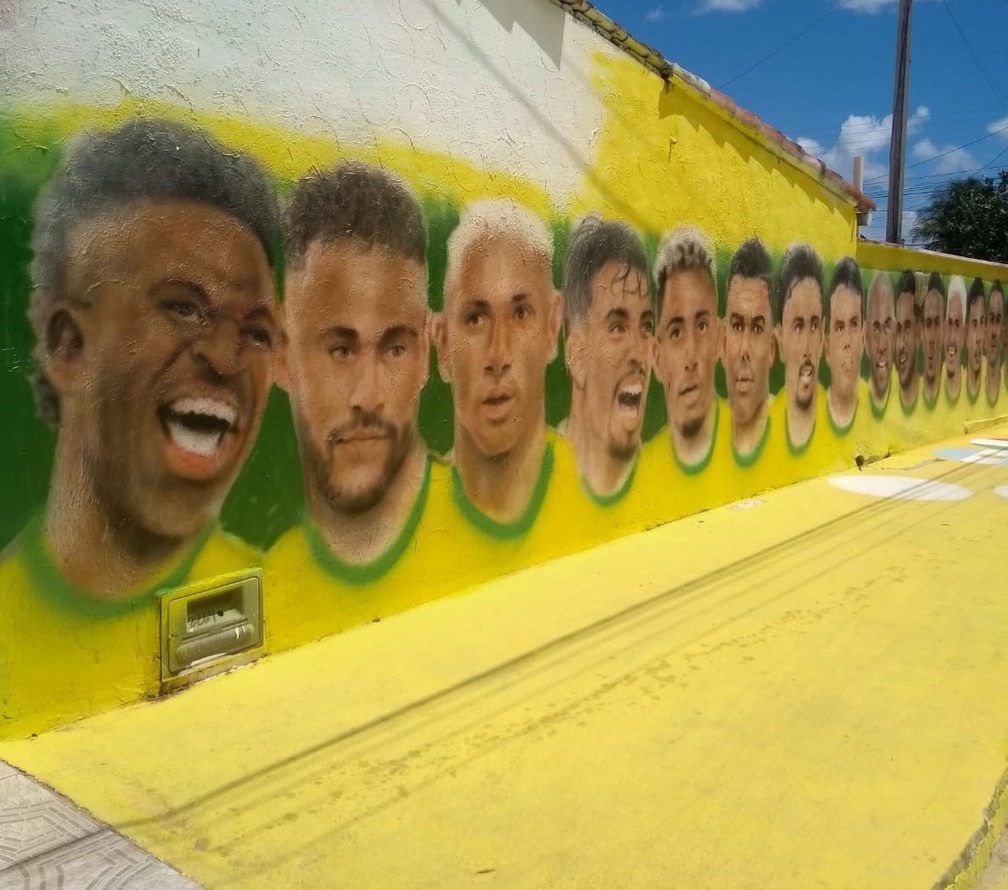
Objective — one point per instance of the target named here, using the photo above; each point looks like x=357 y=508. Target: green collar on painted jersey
x=359 y=574
x=607 y=500
x=798 y=450
x=701 y=465
x=517 y=527
x=878 y=411
x=836 y=427
x=45 y=577
x=747 y=460
x=909 y=409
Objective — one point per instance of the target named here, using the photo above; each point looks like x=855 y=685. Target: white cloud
x=864 y=135
x=705 y=6
x=999 y=127
x=947 y=158
x=656 y=14
x=870 y=6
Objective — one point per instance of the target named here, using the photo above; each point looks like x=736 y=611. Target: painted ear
x=555 y=322
x=281 y=362
x=721 y=341
x=64 y=348
x=438 y=332
x=574 y=356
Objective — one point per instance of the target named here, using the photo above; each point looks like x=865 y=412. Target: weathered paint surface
x=438 y=390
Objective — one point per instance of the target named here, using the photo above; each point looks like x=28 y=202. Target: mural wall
x=383 y=363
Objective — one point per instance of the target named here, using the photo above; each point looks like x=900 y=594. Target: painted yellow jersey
x=447 y=546
x=666 y=488
x=310 y=593
x=65 y=655
x=991 y=407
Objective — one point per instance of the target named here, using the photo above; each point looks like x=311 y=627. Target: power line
x=949 y=151
x=785 y=45
x=976 y=58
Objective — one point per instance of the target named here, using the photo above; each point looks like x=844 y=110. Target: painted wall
x=389 y=300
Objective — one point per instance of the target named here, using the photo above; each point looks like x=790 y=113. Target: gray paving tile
x=33 y=819
x=46 y=842
x=102 y=861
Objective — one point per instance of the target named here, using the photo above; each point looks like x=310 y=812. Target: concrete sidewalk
x=802 y=690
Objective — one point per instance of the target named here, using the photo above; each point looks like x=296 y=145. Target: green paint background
x=267 y=497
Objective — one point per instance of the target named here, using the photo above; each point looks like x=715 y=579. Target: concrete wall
x=528 y=297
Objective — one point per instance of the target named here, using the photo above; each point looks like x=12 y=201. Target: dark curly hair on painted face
x=752 y=260
x=976 y=292
x=935 y=282
x=144 y=159
x=845 y=274
x=800 y=262
x=594 y=243
x=356 y=201
x=907 y=284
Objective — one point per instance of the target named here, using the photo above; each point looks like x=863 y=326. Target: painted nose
x=220 y=348
x=498 y=360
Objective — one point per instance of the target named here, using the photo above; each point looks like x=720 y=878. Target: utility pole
x=897 y=145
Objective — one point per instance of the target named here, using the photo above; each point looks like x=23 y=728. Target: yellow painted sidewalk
x=804 y=690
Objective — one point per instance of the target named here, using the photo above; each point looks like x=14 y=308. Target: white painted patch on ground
x=904 y=488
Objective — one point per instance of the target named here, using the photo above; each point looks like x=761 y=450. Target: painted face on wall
x=954 y=335
x=995 y=327
x=498 y=332
x=932 y=335
x=844 y=340
x=687 y=348
x=975 y=339
x=801 y=338
x=906 y=338
x=880 y=325
x=748 y=346
x=614 y=346
x=164 y=380
x=354 y=362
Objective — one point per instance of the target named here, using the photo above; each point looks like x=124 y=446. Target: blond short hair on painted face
x=500 y=324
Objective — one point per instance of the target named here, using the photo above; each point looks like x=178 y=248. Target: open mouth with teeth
x=630 y=397
x=201 y=434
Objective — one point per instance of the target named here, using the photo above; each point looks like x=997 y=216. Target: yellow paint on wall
x=289 y=154
x=665 y=155
x=873 y=255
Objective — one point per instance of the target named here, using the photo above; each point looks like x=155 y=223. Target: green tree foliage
x=967 y=217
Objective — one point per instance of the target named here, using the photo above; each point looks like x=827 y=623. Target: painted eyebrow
x=617 y=314
x=191 y=288
x=478 y=303
x=340 y=332
x=397 y=331
x=260 y=311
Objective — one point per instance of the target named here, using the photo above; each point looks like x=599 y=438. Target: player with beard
x=880 y=329
x=153 y=309
x=798 y=311
x=353 y=359
x=975 y=330
x=954 y=336
x=993 y=339
x=907 y=334
x=932 y=334
x=609 y=339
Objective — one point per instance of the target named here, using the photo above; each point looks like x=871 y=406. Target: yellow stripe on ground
x=806 y=690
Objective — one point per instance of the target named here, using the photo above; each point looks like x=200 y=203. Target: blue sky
x=831 y=89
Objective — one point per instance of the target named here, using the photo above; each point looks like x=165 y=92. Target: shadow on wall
x=544 y=23
x=697 y=116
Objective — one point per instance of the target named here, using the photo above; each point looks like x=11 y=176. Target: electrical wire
x=784 y=45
